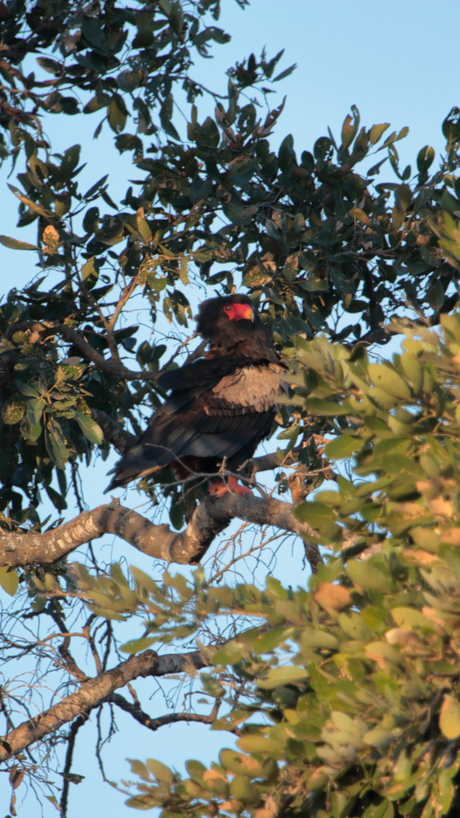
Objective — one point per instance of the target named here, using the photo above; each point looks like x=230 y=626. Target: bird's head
x=228 y=313
x=232 y=323
x=239 y=310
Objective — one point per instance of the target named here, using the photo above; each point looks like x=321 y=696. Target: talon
x=217 y=488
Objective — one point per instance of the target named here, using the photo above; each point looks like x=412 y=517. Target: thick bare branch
x=92 y=693
x=209 y=519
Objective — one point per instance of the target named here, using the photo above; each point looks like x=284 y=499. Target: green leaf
x=212 y=686
x=137 y=645
x=411 y=618
x=398 y=464
x=259 y=744
x=376 y=132
x=378 y=737
x=116 y=115
x=349 y=128
x=413 y=371
x=314 y=513
x=90 y=428
x=387 y=379
x=57 y=499
x=51 y=66
x=32 y=205
x=160 y=771
x=139 y=768
x=228 y=654
x=449 y=718
x=16 y=244
x=272 y=639
x=27 y=389
x=195 y=769
x=327 y=408
x=425 y=158
x=55 y=443
x=317 y=638
x=346 y=723
x=144 y=580
x=90 y=273
x=285 y=73
x=382 y=650
x=242 y=789
x=342 y=447
x=144 y=229
x=35 y=409
x=183 y=271
x=9 y=580
x=279 y=676
x=369 y=576
x=70 y=161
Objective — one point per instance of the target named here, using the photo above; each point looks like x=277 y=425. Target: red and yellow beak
x=240 y=311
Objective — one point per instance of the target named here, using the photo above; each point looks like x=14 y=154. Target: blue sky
x=398 y=61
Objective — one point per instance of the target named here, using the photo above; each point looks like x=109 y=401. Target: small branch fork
x=98 y=690
x=135 y=710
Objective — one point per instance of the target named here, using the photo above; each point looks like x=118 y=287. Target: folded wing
x=217 y=408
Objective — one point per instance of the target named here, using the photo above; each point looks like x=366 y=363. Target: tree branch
x=79 y=722
x=209 y=519
x=381 y=335
x=92 y=693
x=143 y=718
x=91 y=354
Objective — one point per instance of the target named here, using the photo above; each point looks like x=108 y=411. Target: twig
x=74 y=728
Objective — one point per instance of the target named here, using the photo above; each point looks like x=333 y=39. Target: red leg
x=217 y=487
x=234 y=486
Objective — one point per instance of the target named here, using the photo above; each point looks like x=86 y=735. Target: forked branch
x=94 y=692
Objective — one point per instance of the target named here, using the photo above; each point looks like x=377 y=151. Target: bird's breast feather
x=252 y=388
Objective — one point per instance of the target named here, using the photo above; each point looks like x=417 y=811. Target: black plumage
x=220 y=406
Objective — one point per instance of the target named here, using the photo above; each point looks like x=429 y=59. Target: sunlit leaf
x=16 y=244
x=9 y=580
x=282 y=676
x=449 y=718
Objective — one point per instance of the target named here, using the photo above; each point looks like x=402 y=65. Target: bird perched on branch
x=220 y=406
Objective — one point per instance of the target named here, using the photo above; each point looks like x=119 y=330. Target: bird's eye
x=227 y=308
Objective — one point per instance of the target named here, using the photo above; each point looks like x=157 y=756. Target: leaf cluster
x=315 y=237
x=348 y=697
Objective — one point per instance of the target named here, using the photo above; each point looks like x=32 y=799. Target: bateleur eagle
x=220 y=406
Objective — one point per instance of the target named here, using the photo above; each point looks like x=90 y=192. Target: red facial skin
x=238 y=311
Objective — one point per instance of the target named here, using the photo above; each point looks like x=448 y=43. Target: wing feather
x=213 y=412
